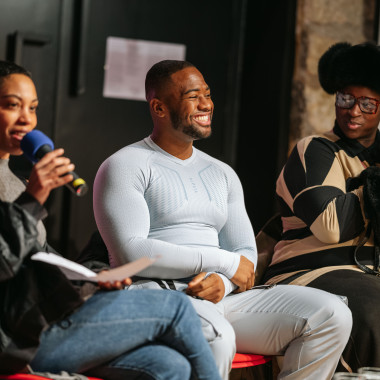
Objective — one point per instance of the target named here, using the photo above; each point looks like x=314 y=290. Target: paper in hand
x=75 y=271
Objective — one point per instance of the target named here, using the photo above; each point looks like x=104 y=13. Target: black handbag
x=370 y=178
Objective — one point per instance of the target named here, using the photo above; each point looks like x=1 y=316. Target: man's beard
x=188 y=129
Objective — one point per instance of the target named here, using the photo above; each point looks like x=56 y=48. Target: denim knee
x=151 y=362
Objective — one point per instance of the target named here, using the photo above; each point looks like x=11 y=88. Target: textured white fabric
x=190 y=212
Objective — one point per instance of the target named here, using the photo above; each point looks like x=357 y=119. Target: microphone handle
x=78 y=185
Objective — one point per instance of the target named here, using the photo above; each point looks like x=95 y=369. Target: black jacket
x=32 y=294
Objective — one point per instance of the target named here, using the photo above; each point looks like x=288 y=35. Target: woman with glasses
x=329 y=195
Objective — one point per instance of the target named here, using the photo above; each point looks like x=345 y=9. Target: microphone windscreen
x=32 y=142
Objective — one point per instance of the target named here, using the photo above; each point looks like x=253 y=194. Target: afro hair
x=345 y=65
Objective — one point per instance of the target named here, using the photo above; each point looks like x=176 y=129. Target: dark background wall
x=243 y=48
x=265 y=103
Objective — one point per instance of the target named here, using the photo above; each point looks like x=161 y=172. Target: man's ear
x=158 y=107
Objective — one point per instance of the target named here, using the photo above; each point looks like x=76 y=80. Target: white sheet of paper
x=75 y=271
x=128 y=61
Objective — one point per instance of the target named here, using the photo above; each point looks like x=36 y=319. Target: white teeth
x=202 y=118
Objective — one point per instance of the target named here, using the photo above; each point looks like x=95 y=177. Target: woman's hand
x=115 y=285
x=49 y=173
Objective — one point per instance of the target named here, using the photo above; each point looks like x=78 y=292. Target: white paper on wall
x=127 y=62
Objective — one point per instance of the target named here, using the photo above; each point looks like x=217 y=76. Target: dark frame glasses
x=366 y=104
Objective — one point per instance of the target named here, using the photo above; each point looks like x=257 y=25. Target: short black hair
x=159 y=75
x=8 y=68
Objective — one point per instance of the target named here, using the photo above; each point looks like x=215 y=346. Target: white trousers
x=309 y=327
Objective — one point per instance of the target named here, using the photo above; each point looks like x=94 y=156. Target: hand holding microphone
x=51 y=169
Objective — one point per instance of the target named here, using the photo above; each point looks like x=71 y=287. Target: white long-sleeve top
x=189 y=212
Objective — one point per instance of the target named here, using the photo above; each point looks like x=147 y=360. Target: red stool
x=249 y=360
x=240 y=361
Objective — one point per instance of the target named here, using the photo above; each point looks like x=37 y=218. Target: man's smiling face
x=190 y=105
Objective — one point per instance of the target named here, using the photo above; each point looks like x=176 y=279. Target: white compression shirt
x=189 y=212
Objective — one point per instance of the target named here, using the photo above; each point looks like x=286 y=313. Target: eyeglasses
x=366 y=105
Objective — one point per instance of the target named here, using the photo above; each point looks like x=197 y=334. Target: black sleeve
x=95 y=255
x=18 y=238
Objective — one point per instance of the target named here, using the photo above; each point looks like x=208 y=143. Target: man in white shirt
x=163 y=197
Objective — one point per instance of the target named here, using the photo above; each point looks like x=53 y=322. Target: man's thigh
x=267 y=320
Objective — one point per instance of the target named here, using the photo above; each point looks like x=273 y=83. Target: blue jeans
x=114 y=333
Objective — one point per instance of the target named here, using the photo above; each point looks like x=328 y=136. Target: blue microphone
x=36 y=144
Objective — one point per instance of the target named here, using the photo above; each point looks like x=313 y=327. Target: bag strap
x=160 y=282
x=171 y=284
